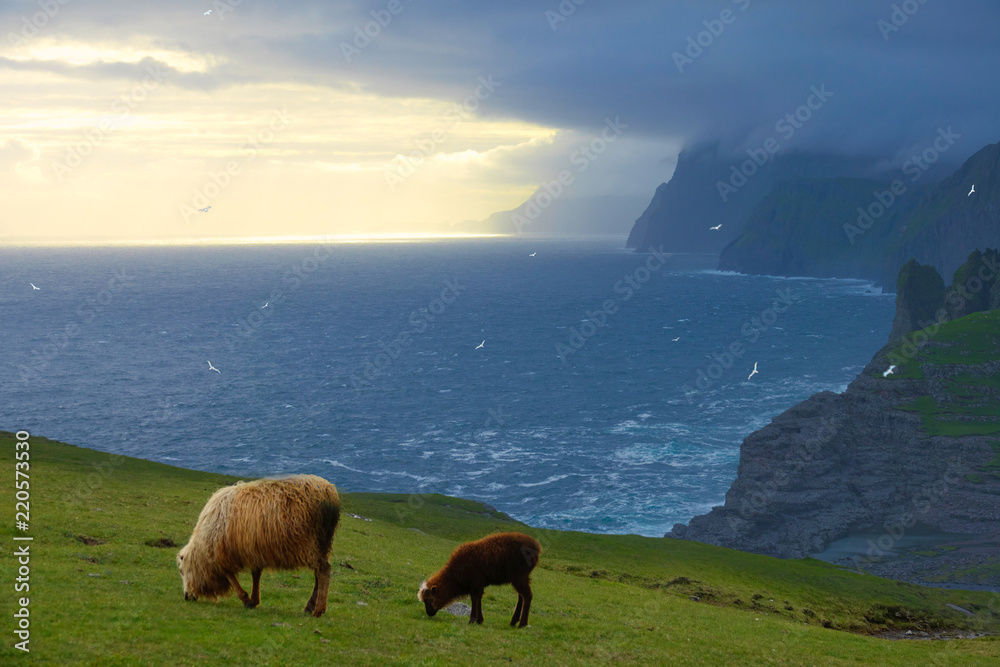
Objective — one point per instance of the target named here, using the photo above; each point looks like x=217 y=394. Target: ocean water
x=363 y=367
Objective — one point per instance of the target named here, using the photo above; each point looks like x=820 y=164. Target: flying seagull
x=204 y=210
x=889 y=371
x=265 y=305
x=716 y=227
x=207 y=13
x=754 y=372
x=972 y=190
x=481 y=344
x=676 y=339
x=33 y=288
x=213 y=368
x=533 y=254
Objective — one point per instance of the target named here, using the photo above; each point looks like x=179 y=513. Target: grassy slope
x=597 y=598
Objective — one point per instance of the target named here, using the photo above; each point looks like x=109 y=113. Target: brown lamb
x=503 y=558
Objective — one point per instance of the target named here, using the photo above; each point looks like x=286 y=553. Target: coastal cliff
x=916 y=448
x=708 y=189
x=860 y=228
x=797 y=230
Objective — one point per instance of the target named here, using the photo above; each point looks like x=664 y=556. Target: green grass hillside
x=105 y=589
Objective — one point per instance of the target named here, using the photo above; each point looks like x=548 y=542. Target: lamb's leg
x=240 y=593
x=312 y=599
x=517 y=610
x=476 y=615
x=523 y=588
x=322 y=589
x=255 y=591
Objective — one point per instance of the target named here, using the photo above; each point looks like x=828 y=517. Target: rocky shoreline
x=899 y=451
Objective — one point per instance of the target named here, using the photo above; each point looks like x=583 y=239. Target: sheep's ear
x=433 y=590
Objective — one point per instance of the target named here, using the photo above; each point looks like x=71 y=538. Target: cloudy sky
x=119 y=119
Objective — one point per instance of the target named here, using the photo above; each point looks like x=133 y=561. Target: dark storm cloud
x=892 y=88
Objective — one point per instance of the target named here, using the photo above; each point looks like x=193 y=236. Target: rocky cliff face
x=919 y=294
x=920 y=445
x=798 y=230
x=946 y=223
x=857 y=228
x=708 y=188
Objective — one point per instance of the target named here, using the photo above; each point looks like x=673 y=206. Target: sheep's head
x=185 y=570
x=201 y=577
x=431 y=596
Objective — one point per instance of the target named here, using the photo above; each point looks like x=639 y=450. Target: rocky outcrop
x=854 y=462
x=919 y=445
x=919 y=294
x=922 y=300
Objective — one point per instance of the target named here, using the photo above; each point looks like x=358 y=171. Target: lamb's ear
x=433 y=590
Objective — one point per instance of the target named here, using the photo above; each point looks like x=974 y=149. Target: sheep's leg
x=476 y=615
x=255 y=591
x=517 y=610
x=312 y=599
x=322 y=589
x=523 y=588
x=240 y=593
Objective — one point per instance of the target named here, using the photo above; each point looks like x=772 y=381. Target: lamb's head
x=432 y=597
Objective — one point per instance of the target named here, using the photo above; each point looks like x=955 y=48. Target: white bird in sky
x=265 y=305
x=533 y=254
x=213 y=368
x=972 y=190
x=204 y=210
x=754 y=372
x=33 y=288
x=716 y=227
x=676 y=339
x=889 y=371
x=481 y=344
x=207 y=13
